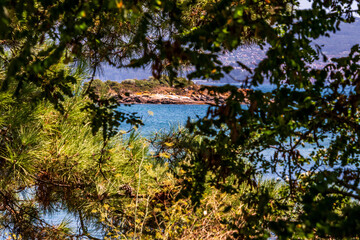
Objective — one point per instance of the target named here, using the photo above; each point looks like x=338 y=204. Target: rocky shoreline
x=154 y=91
x=147 y=98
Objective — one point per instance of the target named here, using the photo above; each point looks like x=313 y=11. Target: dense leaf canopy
x=43 y=46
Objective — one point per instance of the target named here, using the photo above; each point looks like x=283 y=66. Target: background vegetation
x=151 y=85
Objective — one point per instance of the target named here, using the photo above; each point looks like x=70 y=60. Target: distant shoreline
x=159 y=91
x=149 y=98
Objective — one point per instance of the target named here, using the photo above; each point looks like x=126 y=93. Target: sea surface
x=162 y=117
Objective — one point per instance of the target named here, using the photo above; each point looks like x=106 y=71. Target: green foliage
x=321 y=112
x=63 y=144
x=152 y=85
x=56 y=160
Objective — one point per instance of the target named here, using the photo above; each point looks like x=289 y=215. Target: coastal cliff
x=168 y=98
x=154 y=91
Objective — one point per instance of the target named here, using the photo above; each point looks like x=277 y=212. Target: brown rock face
x=186 y=96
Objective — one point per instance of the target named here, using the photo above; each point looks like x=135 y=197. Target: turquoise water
x=158 y=117
x=162 y=117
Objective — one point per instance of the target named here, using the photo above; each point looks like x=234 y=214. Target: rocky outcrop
x=168 y=99
x=189 y=95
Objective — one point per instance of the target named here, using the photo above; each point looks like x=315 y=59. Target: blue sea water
x=163 y=117
x=158 y=117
